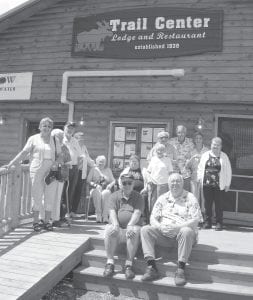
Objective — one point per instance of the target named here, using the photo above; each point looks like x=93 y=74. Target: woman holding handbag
x=41 y=150
x=63 y=161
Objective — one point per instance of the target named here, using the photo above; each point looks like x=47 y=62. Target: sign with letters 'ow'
x=148 y=33
x=15 y=86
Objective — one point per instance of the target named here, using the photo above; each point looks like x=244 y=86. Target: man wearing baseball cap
x=126 y=207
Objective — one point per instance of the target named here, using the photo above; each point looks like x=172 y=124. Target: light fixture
x=82 y=121
x=200 y=125
x=2 y=120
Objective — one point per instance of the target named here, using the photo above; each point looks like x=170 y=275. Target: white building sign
x=16 y=86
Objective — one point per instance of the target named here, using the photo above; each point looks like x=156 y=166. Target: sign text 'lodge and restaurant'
x=148 y=33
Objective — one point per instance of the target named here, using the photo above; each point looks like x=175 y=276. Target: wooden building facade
x=126 y=100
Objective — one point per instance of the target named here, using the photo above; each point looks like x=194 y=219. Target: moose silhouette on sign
x=93 y=40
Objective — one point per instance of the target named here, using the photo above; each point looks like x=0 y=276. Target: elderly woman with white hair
x=157 y=174
x=101 y=181
x=63 y=160
x=215 y=174
x=42 y=151
x=170 y=151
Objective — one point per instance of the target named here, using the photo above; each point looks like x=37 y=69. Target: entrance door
x=129 y=138
x=237 y=141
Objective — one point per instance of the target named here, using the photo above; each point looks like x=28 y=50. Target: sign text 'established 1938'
x=148 y=33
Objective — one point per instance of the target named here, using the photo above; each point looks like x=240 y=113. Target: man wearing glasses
x=126 y=207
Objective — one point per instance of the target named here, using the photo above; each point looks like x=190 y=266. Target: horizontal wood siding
x=98 y=117
x=42 y=44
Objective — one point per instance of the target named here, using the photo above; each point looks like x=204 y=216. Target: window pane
x=155 y=133
x=145 y=148
x=131 y=134
x=237 y=136
x=242 y=183
x=245 y=203
x=146 y=134
x=229 y=203
x=119 y=133
x=118 y=149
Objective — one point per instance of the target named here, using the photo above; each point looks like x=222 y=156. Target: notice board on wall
x=148 y=33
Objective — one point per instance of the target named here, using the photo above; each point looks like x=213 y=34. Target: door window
x=237 y=142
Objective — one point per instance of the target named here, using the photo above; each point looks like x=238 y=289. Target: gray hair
x=160 y=147
x=134 y=156
x=177 y=175
x=99 y=158
x=181 y=127
x=46 y=120
x=217 y=139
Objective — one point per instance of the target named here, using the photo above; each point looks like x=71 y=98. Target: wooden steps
x=163 y=288
x=216 y=271
x=194 y=271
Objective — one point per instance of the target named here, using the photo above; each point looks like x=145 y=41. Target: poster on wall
x=16 y=86
x=131 y=134
x=145 y=149
x=118 y=149
x=148 y=33
x=119 y=133
x=146 y=134
x=130 y=149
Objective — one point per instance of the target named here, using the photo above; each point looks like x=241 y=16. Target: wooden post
x=16 y=197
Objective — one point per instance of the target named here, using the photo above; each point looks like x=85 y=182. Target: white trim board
x=110 y=73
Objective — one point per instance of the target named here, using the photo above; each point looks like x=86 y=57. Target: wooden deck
x=31 y=264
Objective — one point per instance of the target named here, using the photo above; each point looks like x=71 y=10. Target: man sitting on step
x=126 y=207
x=174 y=221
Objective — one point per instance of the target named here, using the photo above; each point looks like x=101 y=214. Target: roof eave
x=23 y=11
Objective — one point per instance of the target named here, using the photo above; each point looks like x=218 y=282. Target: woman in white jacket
x=215 y=174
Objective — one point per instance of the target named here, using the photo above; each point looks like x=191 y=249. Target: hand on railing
x=7 y=167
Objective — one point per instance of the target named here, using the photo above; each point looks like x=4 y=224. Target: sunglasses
x=127 y=183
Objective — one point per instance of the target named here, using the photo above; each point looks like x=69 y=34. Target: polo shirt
x=124 y=208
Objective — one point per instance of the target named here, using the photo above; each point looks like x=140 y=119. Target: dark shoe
x=37 y=227
x=207 y=225
x=48 y=226
x=129 y=273
x=109 y=270
x=180 y=277
x=150 y=274
x=56 y=224
x=218 y=227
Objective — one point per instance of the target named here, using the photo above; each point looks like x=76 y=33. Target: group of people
x=180 y=170
x=162 y=204
x=59 y=165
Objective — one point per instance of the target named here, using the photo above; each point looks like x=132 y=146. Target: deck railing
x=15 y=197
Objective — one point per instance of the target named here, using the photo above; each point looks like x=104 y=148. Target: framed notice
x=118 y=149
x=131 y=134
x=120 y=133
x=130 y=149
x=145 y=148
x=146 y=134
